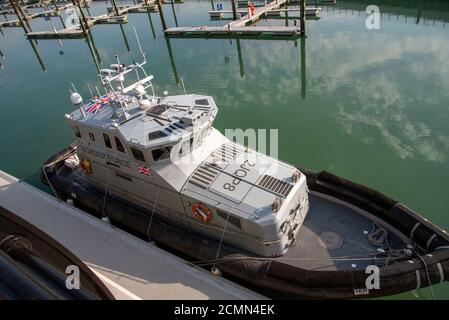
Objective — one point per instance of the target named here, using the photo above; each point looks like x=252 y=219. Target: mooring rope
x=30 y=175
x=222 y=236
x=368 y=257
x=105 y=193
x=49 y=183
x=152 y=213
x=428 y=275
x=71 y=152
x=378 y=236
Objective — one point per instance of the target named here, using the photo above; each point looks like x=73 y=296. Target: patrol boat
x=156 y=166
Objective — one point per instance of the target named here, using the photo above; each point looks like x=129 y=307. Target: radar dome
x=139 y=90
x=76 y=98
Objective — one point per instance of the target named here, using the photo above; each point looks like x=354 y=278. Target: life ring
x=86 y=166
x=201 y=212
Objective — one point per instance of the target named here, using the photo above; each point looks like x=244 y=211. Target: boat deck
x=332 y=231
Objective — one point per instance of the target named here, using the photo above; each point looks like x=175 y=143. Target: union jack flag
x=96 y=105
x=144 y=170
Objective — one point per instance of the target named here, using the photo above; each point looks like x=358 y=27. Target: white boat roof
x=168 y=118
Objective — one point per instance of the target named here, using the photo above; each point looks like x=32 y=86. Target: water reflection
x=365 y=76
x=172 y=59
x=38 y=56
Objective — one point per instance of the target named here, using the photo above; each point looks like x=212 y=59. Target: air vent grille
x=225 y=154
x=209 y=170
x=275 y=185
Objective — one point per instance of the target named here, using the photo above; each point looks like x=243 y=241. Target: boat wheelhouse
x=163 y=154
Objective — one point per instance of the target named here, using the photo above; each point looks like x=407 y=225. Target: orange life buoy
x=86 y=166
x=201 y=212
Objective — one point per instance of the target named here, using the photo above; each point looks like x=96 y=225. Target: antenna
x=138 y=43
x=73 y=86
x=182 y=82
x=90 y=90
x=98 y=91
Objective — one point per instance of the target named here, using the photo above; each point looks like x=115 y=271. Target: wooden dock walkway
x=76 y=31
x=240 y=27
x=30 y=16
x=203 y=31
x=310 y=11
x=138 y=8
x=258 y=12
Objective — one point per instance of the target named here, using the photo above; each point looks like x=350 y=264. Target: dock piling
x=172 y=60
x=81 y=16
x=174 y=13
x=302 y=17
x=125 y=38
x=161 y=14
x=303 y=67
x=115 y=8
x=239 y=53
x=18 y=12
x=234 y=10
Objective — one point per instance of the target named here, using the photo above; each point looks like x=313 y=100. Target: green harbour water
x=368 y=105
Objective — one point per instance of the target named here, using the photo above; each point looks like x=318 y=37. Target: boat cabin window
x=107 y=141
x=138 y=154
x=119 y=145
x=91 y=136
x=161 y=153
x=202 y=102
x=77 y=131
x=156 y=135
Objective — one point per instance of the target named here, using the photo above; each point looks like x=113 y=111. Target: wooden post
x=174 y=13
x=303 y=67
x=92 y=50
x=55 y=4
x=161 y=14
x=82 y=18
x=172 y=60
x=151 y=20
x=125 y=38
x=38 y=56
x=239 y=53
x=114 y=5
x=82 y=15
x=234 y=10
x=19 y=15
x=302 y=17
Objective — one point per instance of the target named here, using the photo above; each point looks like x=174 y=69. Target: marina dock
x=241 y=26
x=115 y=15
x=130 y=267
x=310 y=11
x=236 y=31
x=258 y=12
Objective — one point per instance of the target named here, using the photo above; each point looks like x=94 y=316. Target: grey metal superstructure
x=162 y=153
